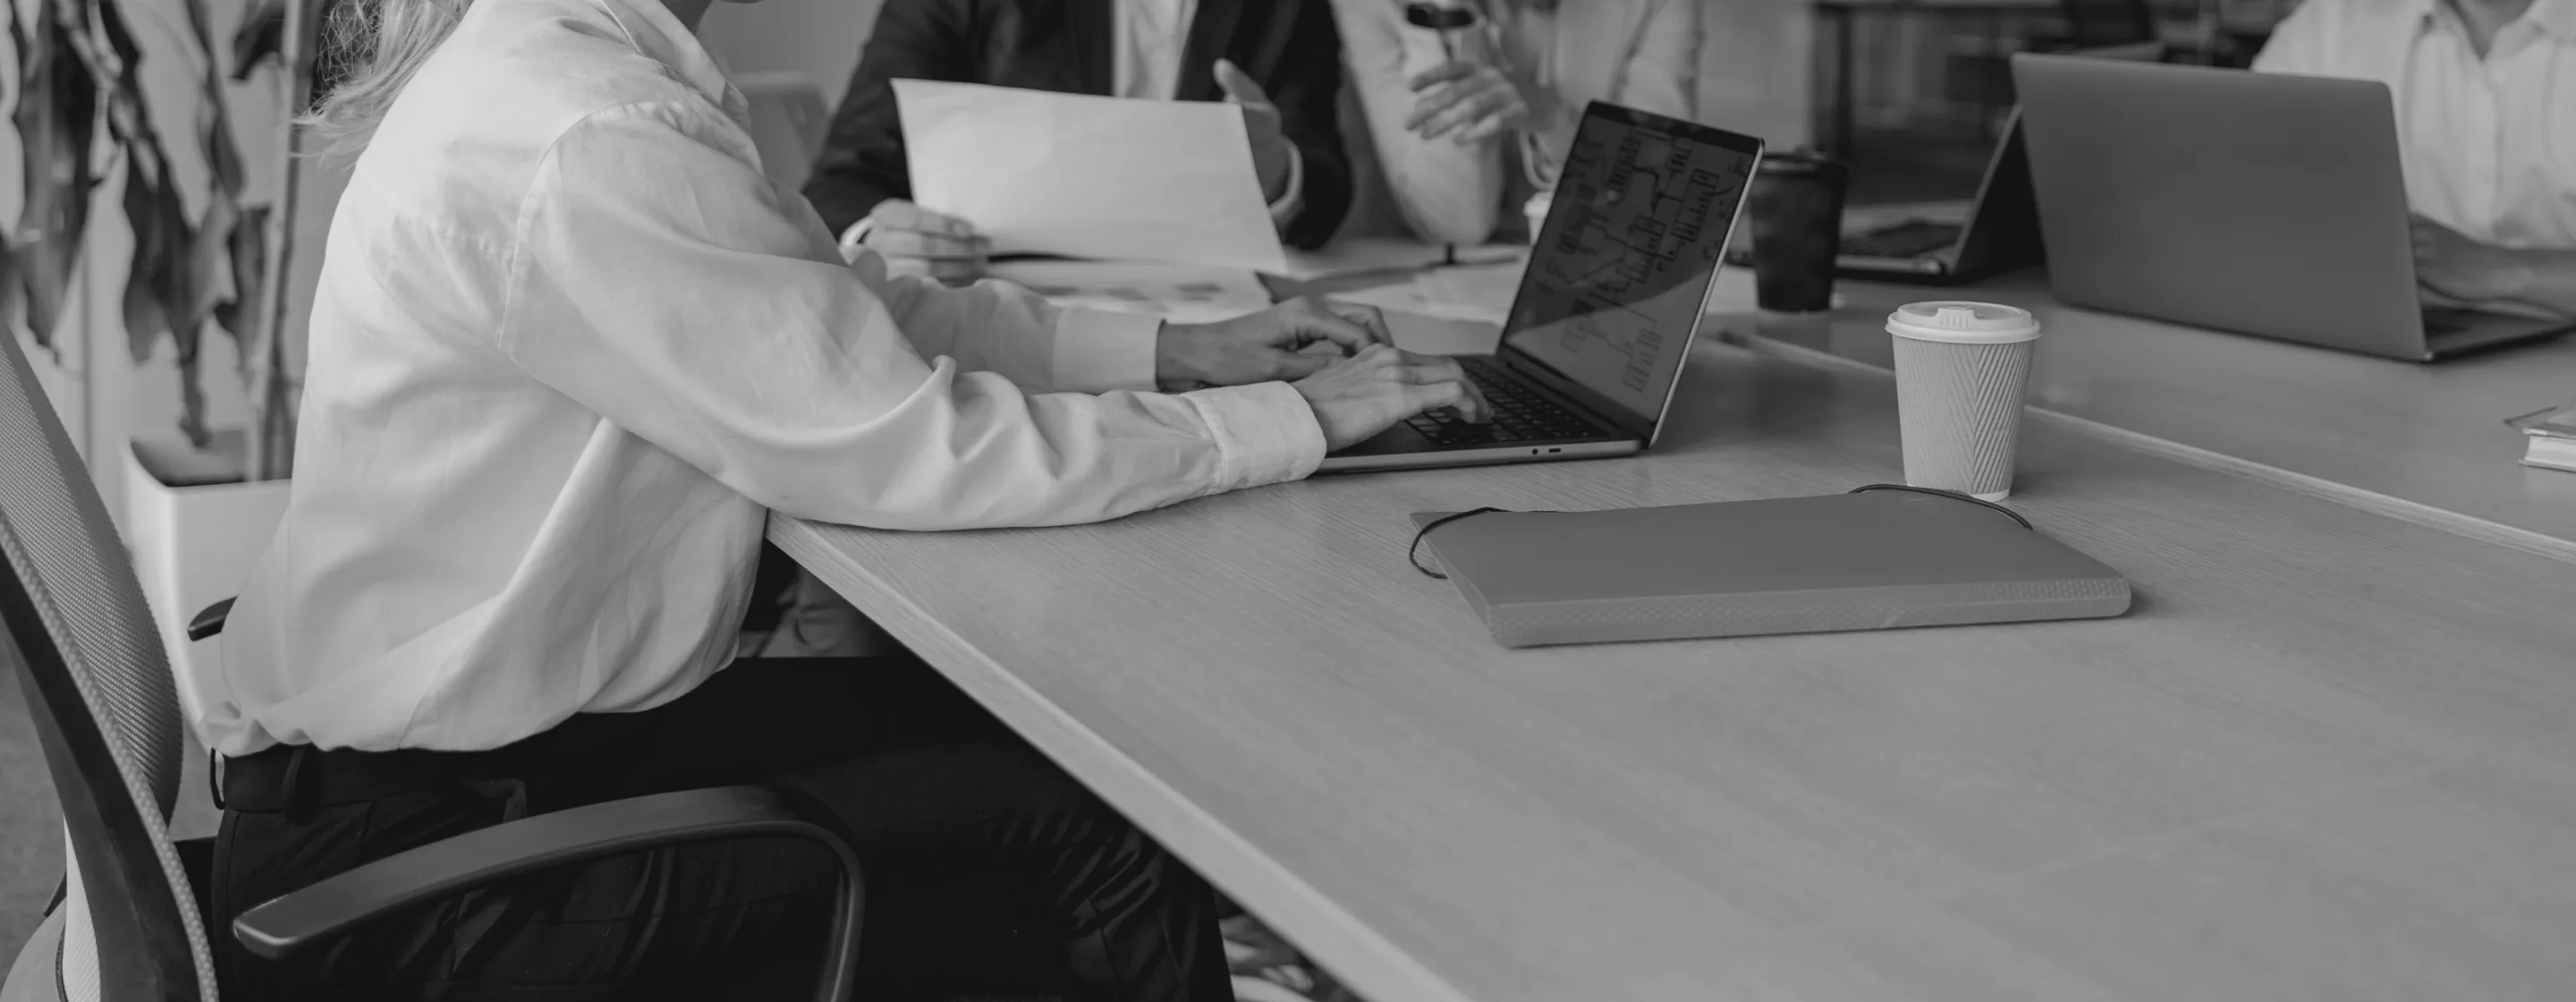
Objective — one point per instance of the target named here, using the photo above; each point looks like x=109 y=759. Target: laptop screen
x=1620 y=271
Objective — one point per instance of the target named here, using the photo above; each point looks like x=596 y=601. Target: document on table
x=1090 y=177
x=1179 y=292
x=1364 y=255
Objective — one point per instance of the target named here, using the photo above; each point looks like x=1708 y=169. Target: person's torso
x=469 y=555
x=1073 y=46
x=2489 y=144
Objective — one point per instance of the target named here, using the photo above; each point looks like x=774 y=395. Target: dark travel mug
x=1796 y=207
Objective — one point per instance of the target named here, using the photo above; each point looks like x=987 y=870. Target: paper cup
x=1961 y=371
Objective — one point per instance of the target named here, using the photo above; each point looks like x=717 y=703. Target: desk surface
x=2329 y=755
x=2414 y=440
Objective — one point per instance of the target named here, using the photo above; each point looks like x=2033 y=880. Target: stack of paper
x=2553 y=437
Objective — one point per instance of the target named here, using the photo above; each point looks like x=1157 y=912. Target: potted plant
x=201 y=502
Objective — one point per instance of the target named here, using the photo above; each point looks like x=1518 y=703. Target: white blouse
x=569 y=350
x=2489 y=144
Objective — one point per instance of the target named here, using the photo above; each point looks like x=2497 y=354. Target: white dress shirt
x=2489 y=145
x=570 y=349
x=1151 y=36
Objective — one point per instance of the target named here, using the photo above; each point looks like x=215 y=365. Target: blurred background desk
x=1913 y=92
x=2329 y=754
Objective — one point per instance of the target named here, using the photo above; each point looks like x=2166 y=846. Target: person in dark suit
x=1279 y=59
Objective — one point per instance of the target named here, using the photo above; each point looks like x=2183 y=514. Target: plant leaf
x=260 y=37
x=57 y=121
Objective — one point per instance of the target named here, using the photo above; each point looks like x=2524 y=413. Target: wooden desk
x=2330 y=755
x=2423 y=442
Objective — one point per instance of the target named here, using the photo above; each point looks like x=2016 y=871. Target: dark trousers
x=989 y=870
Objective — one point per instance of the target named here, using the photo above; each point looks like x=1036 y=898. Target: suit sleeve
x=1307 y=87
x=862 y=162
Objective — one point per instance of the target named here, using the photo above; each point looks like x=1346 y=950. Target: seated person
x=569 y=351
x=1470 y=125
x=1276 y=58
x=2486 y=115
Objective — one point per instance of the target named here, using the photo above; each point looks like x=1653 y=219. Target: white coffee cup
x=1961 y=371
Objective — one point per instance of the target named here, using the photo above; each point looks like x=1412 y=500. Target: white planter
x=193 y=546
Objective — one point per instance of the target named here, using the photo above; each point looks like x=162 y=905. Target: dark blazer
x=1289 y=46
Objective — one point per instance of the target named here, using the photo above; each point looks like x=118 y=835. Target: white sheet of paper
x=1185 y=293
x=1089 y=177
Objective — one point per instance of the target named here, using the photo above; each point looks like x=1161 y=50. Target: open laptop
x=1616 y=288
x=1953 y=243
x=2257 y=203
x=1996 y=232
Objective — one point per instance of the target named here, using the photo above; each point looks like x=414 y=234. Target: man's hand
x=1271 y=150
x=1358 y=397
x=1471 y=101
x=2448 y=262
x=1261 y=347
x=917 y=241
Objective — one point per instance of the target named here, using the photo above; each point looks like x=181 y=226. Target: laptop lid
x=2002 y=230
x=2264 y=204
x=1619 y=277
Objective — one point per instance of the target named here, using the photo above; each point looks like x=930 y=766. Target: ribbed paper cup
x=1961 y=370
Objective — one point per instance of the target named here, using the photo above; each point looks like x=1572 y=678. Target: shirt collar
x=659 y=35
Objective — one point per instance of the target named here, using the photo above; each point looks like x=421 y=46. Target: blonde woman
x=1472 y=104
x=570 y=350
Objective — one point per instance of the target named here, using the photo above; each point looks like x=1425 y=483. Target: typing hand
x=1271 y=150
x=1471 y=101
x=2448 y=262
x=917 y=241
x=1358 y=397
x=1265 y=346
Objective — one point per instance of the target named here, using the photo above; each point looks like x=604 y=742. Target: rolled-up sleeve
x=657 y=279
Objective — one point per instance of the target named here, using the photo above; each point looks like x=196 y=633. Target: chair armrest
x=210 y=620
x=331 y=906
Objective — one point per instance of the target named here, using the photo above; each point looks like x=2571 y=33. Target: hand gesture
x=1271 y=150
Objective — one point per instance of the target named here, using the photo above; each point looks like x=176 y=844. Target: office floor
x=1892 y=165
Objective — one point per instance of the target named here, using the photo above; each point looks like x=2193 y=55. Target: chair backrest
x=101 y=694
x=2092 y=23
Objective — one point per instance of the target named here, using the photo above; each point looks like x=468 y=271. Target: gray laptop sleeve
x=1866 y=561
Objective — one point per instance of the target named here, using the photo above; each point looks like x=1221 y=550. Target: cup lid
x=1963 y=323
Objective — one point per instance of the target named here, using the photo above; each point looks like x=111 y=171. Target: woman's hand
x=1356 y=398
x=917 y=241
x=1261 y=347
x=1472 y=101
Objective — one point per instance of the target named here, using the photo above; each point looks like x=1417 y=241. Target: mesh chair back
x=99 y=687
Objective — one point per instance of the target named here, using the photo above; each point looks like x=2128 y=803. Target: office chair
x=129 y=925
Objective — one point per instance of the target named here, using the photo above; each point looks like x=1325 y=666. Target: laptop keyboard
x=1902 y=241
x=1521 y=414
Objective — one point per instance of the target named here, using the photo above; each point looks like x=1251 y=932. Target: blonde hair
x=371 y=48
